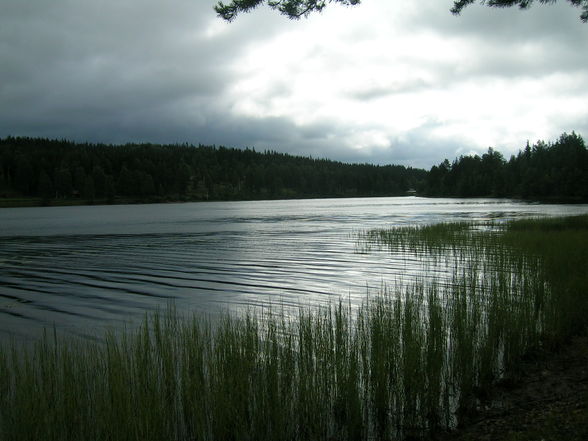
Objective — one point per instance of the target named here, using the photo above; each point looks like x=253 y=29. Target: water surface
x=79 y=269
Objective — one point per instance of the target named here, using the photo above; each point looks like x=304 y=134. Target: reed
x=409 y=362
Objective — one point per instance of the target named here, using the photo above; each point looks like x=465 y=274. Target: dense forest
x=544 y=171
x=53 y=172
x=60 y=170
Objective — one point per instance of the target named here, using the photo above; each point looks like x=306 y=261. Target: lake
x=80 y=269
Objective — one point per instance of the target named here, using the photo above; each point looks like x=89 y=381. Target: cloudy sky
x=389 y=81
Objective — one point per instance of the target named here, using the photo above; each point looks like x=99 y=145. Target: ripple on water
x=79 y=269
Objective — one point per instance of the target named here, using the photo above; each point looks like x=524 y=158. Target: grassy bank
x=411 y=362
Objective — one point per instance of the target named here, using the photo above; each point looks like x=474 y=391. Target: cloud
x=384 y=82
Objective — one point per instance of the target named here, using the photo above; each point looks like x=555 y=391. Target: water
x=80 y=269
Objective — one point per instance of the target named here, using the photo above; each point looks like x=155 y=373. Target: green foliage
x=557 y=171
x=150 y=173
x=48 y=169
x=405 y=365
x=45 y=186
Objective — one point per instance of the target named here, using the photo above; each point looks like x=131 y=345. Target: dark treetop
x=546 y=171
x=300 y=8
x=51 y=171
x=58 y=170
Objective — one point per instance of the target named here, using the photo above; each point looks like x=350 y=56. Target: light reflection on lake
x=82 y=268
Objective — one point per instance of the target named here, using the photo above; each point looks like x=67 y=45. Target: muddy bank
x=548 y=401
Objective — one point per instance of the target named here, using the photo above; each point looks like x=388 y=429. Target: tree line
x=544 y=171
x=54 y=170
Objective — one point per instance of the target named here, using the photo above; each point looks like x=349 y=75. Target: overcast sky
x=388 y=81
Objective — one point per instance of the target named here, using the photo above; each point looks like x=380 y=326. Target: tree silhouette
x=458 y=5
x=547 y=171
x=52 y=169
x=296 y=9
x=292 y=8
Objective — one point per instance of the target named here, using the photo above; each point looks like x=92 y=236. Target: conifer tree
x=296 y=9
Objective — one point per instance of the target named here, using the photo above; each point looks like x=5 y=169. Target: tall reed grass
x=411 y=361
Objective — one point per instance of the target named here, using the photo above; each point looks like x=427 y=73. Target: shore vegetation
x=410 y=363
x=35 y=172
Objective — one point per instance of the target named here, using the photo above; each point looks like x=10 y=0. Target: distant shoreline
x=38 y=202
x=71 y=202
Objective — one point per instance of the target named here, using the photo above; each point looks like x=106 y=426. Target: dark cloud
x=100 y=67
x=119 y=71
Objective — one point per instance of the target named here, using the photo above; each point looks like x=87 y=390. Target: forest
x=54 y=171
x=35 y=170
x=556 y=171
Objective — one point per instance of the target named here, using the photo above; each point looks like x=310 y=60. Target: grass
x=409 y=363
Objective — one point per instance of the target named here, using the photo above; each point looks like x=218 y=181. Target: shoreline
x=71 y=202
x=548 y=400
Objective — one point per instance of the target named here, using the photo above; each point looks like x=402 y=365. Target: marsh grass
x=411 y=361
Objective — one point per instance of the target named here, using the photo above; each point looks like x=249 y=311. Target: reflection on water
x=82 y=268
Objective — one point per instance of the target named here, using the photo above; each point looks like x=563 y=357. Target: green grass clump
x=562 y=246
x=408 y=363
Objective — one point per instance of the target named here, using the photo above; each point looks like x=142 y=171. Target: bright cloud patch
x=384 y=82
